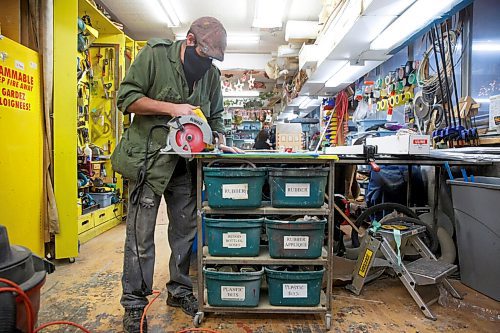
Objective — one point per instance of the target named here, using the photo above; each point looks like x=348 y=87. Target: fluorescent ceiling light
x=485 y=46
x=170 y=14
x=269 y=13
x=416 y=17
x=248 y=93
x=301 y=30
x=297 y=100
x=231 y=38
x=242 y=39
x=309 y=102
x=349 y=73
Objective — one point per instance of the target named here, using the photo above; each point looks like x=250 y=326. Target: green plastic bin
x=298 y=187
x=295 y=239
x=239 y=289
x=294 y=288
x=234 y=187
x=233 y=237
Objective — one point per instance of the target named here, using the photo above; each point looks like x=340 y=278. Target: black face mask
x=195 y=66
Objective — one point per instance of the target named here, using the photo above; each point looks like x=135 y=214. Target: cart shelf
x=262 y=259
x=265 y=307
x=266 y=209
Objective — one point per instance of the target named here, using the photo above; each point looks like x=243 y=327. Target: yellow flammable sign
x=21 y=145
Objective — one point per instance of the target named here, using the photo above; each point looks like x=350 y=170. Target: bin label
x=294 y=290
x=296 y=242
x=234 y=240
x=235 y=191
x=232 y=293
x=298 y=190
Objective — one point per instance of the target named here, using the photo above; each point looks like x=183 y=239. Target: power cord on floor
x=15 y=288
x=157 y=294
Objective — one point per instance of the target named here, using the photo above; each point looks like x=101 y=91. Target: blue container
x=240 y=289
x=298 y=187
x=234 y=237
x=234 y=187
x=294 y=288
x=103 y=199
x=295 y=239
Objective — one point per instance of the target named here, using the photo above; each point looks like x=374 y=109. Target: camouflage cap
x=210 y=36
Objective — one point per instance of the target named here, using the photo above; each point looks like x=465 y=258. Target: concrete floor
x=88 y=292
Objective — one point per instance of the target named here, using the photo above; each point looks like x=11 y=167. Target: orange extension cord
x=13 y=287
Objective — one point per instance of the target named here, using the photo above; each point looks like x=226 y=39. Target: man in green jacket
x=167 y=79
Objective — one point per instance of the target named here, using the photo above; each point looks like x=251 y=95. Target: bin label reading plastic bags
x=234 y=240
x=232 y=293
x=298 y=190
x=235 y=191
x=294 y=290
x=296 y=242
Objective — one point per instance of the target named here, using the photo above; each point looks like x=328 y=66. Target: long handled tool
x=470 y=133
x=439 y=133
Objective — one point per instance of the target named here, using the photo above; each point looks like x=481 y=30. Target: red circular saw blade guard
x=191 y=135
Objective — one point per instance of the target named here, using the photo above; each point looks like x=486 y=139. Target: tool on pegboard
x=111 y=56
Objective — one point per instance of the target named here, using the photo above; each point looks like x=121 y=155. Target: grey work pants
x=180 y=196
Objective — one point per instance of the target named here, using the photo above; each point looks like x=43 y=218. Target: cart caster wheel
x=198 y=318
x=328 y=322
x=71 y=260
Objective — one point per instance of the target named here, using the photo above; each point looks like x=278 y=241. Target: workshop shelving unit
x=264 y=259
x=245 y=133
x=77 y=225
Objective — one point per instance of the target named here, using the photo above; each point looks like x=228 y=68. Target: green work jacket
x=157 y=73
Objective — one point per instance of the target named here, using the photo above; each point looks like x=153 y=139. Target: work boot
x=188 y=303
x=132 y=321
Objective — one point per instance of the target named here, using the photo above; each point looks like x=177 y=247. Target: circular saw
x=188 y=135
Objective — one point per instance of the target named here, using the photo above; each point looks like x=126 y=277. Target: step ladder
x=426 y=271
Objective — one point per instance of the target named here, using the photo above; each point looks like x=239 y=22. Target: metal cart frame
x=326 y=260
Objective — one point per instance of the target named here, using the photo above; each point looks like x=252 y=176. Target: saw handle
x=200 y=114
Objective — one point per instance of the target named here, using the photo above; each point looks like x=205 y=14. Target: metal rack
x=325 y=260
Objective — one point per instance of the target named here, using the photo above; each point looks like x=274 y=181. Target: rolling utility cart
x=233 y=203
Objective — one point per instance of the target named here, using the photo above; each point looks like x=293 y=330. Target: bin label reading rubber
x=232 y=293
x=234 y=240
x=298 y=190
x=365 y=263
x=294 y=290
x=235 y=191
x=296 y=242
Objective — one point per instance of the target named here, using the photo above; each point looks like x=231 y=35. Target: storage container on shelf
x=294 y=288
x=234 y=187
x=103 y=199
x=295 y=239
x=233 y=237
x=298 y=187
x=237 y=289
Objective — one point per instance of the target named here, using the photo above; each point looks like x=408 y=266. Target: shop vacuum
x=19 y=265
